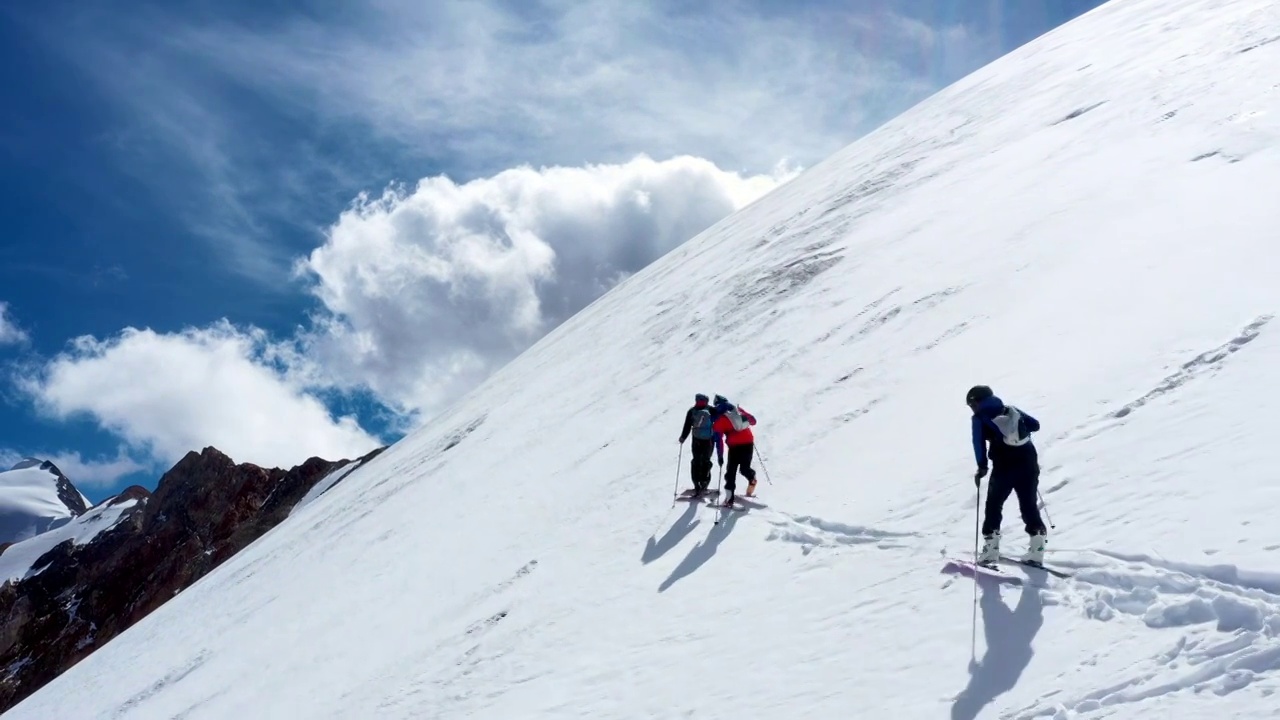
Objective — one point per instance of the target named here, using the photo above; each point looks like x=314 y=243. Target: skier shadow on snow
x=705 y=550
x=1008 y=634
x=655 y=549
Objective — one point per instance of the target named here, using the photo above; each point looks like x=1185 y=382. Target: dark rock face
x=67 y=492
x=206 y=509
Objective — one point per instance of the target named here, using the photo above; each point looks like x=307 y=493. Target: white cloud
x=84 y=473
x=166 y=395
x=10 y=333
x=427 y=291
x=96 y=473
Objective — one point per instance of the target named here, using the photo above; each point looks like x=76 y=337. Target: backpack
x=1012 y=429
x=700 y=424
x=735 y=418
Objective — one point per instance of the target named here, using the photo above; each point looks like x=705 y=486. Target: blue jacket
x=983 y=429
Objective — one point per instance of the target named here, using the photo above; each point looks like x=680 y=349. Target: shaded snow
x=1088 y=225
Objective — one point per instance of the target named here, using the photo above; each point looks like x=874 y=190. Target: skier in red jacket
x=734 y=424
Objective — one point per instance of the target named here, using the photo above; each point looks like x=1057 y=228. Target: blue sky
x=290 y=232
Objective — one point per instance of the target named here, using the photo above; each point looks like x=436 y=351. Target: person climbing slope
x=734 y=424
x=697 y=422
x=1015 y=469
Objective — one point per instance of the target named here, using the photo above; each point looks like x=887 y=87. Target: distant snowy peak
x=36 y=497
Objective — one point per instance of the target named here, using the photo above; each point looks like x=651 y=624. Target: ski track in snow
x=812 y=533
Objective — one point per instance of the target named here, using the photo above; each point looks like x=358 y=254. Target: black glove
x=977 y=477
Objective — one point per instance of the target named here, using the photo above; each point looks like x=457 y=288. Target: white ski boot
x=990 y=552
x=1035 y=552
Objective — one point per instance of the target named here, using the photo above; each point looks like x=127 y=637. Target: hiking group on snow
x=1001 y=434
x=714 y=425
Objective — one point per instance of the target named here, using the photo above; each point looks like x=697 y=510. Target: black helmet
x=720 y=400
x=699 y=398
x=977 y=394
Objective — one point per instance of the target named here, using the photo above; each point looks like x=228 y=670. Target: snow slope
x=1088 y=225
x=30 y=502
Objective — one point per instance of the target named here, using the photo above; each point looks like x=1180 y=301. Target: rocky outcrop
x=204 y=510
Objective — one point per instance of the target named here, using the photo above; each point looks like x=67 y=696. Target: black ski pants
x=739 y=460
x=700 y=466
x=1016 y=472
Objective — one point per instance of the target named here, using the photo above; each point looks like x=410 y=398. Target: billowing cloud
x=10 y=333
x=427 y=290
x=165 y=395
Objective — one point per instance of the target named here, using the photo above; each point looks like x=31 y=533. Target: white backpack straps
x=1009 y=424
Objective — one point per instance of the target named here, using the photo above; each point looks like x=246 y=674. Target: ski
x=1039 y=566
x=690 y=496
x=695 y=498
x=978 y=568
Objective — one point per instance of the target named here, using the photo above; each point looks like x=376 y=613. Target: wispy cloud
x=488 y=85
x=255 y=125
x=10 y=333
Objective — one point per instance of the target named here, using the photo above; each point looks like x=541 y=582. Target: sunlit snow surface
x=1089 y=225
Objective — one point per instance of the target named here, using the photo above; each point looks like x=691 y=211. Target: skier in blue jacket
x=1016 y=469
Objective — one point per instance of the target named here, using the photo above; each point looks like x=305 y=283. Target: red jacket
x=724 y=426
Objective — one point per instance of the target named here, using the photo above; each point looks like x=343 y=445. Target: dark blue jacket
x=984 y=429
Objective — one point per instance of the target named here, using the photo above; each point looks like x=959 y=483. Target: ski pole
x=1045 y=506
x=763 y=466
x=973 y=636
x=676 y=492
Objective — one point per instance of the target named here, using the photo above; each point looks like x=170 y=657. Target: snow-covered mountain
x=1089 y=225
x=36 y=497
x=69 y=590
